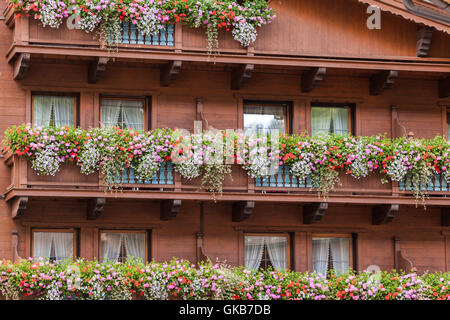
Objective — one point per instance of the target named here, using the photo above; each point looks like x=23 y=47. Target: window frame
x=143 y=231
x=348 y=236
x=76 y=104
x=56 y=230
x=287 y=105
x=351 y=106
x=288 y=237
x=146 y=104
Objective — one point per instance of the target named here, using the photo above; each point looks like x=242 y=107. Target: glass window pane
x=265 y=251
x=53 y=110
x=123 y=113
x=325 y=120
x=53 y=245
x=263 y=119
x=117 y=246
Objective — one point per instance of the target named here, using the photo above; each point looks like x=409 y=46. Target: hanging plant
x=150 y=17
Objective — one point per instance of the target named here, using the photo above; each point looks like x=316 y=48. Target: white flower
x=245 y=33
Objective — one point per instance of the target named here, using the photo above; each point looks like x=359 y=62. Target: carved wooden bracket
x=401 y=262
x=15 y=245
x=170 y=72
x=242 y=210
x=313 y=213
x=384 y=213
x=445 y=217
x=424 y=35
x=200 y=252
x=168 y=209
x=200 y=115
x=18 y=206
x=312 y=78
x=382 y=81
x=444 y=88
x=21 y=64
x=96 y=69
x=94 y=208
x=241 y=76
x=398 y=130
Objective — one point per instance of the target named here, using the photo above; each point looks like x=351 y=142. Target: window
x=263 y=118
x=120 y=245
x=53 y=110
x=327 y=119
x=53 y=245
x=448 y=126
x=263 y=251
x=331 y=252
x=123 y=113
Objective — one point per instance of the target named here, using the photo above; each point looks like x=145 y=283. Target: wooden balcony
x=276 y=46
x=168 y=184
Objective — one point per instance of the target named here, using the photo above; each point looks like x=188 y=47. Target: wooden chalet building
x=314 y=55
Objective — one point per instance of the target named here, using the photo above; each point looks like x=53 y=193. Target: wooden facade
x=313 y=52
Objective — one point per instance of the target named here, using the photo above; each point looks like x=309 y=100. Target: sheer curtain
x=254 y=247
x=42 y=110
x=63 y=242
x=111 y=243
x=320 y=252
x=110 y=111
x=340 y=120
x=63 y=108
x=329 y=120
x=276 y=246
x=135 y=245
x=133 y=114
x=321 y=120
x=340 y=251
x=42 y=244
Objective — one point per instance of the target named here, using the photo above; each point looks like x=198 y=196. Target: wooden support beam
x=168 y=209
x=96 y=69
x=313 y=213
x=400 y=261
x=241 y=76
x=21 y=64
x=424 y=35
x=445 y=217
x=444 y=88
x=312 y=78
x=15 y=245
x=170 y=72
x=382 y=81
x=384 y=213
x=94 y=208
x=18 y=207
x=242 y=210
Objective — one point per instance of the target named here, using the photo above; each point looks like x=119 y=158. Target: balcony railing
x=164 y=176
x=436 y=183
x=131 y=35
x=239 y=185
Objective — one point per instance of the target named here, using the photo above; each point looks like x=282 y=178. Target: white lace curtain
x=276 y=247
x=329 y=120
x=60 y=242
x=339 y=248
x=122 y=113
x=112 y=243
x=61 y=108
